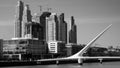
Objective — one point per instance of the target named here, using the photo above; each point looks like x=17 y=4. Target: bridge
x=79 y=55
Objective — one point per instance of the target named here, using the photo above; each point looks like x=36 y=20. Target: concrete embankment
x=28 y=63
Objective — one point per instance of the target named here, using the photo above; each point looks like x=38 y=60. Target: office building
x=57 y=47
x=37 y=31
x=27 y=18
x=56 y=31
x=18 y=19
x=33 y=30
x=43 y=23
x=51 y=27
x=62 y=29
x=73 y=31
x=23 y=48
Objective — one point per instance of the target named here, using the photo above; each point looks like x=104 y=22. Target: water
x=85 y=65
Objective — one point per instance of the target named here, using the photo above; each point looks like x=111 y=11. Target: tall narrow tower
x=27 y=18
x=73 y=31
x=18 y=19
x=62 y=29
x=43 y=23
x=51 y=26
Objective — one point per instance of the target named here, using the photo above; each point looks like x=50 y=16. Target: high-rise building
x=18 y=19
x=62 y=29
x=37 y=30
x=27 y=18
x=33 y=30
x=51 y=27
x=73 y=31
x=56 y=33
x=43 y=23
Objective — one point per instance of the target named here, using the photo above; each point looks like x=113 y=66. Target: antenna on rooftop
x=40 y=8
x=49 y=9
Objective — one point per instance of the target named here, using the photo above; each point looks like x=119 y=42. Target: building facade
x=62 y=29
x=22 y=48
x=27 y=18
x=33 y=30
x=51 y=28
x=72 y=49
x=73 y=31
x=43 y=23
x=18 y=19
x=57 y=47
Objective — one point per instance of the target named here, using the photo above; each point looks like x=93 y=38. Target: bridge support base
x=80 y=61
x=38 y=62
x=101 y=60
x=57 y=62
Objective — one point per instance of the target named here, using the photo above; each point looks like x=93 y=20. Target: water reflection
x=85 y=65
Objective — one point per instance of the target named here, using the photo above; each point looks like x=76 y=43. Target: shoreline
x=32 y=63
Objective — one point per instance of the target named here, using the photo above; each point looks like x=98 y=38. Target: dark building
x=57 y=27
x=72 y=49
x=18 y=19
x=27 y=18
x=73 y=31
x=33 y=30
x=97 y=51
x=37 y=31
x=43 y=23
x=62 y=29
x=1 y=47
x=23 y=48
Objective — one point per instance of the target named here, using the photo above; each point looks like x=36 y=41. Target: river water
x=75 y=65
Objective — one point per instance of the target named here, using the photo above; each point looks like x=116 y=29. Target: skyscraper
x=27 y=18
x=72 y=31
x=51 y=28
x=18 y=19
x=62 y=29
x=43 y=23
x=37 y=30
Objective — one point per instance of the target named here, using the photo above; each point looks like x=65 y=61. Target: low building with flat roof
x=57 y=47
x=72 y=48
x=24 y=48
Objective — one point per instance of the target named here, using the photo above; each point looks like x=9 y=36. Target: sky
x=91 y=17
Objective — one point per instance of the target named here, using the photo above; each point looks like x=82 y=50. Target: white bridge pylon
x=80 y=53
